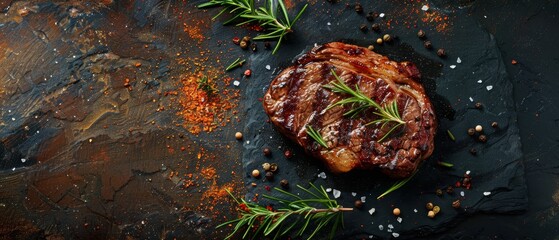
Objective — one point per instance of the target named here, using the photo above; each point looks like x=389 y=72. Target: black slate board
x=496 y=169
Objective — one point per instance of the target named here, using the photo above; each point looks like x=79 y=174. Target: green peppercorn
x=421 y=34
x=371 y=47
x=387 y=38
x=266 y=166
x=243 y=44
x=441 y=52
x=427 y=44
x=436 y=209
x=379 y=40
x=246 y=39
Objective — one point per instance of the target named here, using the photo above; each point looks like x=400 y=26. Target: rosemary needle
x=445 y=164
x=397 y=185
x=237 y=63
x=316 y=136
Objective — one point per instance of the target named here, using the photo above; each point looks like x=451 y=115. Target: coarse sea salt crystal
x=489 y=87
x=452 y=66
x=480 y=81
x=462 y=193
x=458 y=60
x=23 y=160
x=425 y=8
x=415 y=210
x=328 y=189
x=268 y=67
x=390 y=226
x=381 y=15
x=328 y=23
x=353 y=194
x=236 y=83
x=363 y=199
x=468 y=172
x=395 y=235
x=372 y=210
x=380 y=227
x=399 y=219
x=486 y=193
x=471 y=99
x=336 y=193
x=322 y=175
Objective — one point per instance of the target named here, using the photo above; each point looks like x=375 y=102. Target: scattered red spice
x=514 y=62
x=194 y=31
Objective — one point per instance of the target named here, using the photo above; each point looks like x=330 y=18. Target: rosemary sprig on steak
x=313 y=211
x=316 y=136
x=267 y=16
x=360 y=102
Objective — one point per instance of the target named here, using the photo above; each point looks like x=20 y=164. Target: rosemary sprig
x=445 y=164
x=451 y=136
x=265 y=16
x=360 y=102
x=204 y=85
x=397 y=185
x=316 y=136
x=237 y=63
x=297 y=212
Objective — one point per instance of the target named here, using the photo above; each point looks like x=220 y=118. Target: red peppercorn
x=248 y=72
x=288 y=154
x=236 y=40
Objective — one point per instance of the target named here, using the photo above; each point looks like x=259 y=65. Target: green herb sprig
x=316 y=136
x=445 y=164
x=360 y=102
x=397 y=185
x=235 y=64
x=204 y=85
x=267 y=17
x=314 y=213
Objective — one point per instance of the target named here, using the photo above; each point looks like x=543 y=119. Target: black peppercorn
x=478 y=105
x=471 y=131
x=427 y=44
x=273 y=167
x=358 y=203
x=253 y=47
x=421 y=34
x=441 y=52
x=494 y=124
x=482 y=138
x=370 y=16
x=284 y=183
x=456 y=204
x=358 y=8
x=269 y=176
x=267 y=151
x=267 y=45
x=473 y=151
x=363 y=27
x=243 y=44
x=439 y=192
x=288 y=154
x=450 y=190
x=376 y=27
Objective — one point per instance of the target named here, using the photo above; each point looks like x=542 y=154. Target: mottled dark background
x=85 y=154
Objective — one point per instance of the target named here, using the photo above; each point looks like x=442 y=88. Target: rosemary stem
x=340 y=209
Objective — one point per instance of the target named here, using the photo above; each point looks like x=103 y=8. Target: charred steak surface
x=297 y=98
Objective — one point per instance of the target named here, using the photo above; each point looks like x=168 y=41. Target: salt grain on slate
x=471 y=99
x=363 y=199
x=462 y=193
x=322 y=175
x=381 y=15
x=328 y=23
x=452 y=66
x=268 y=67
x=390 y=226
x=236 y=83
x=489 y=87
x=328 y=189
x=468 y=172
x=336 y=193
x=458 y=60
x=479 y=81
x=399 y=219
x=486 y=193
x=389 y=230
x=425 y=8
x=23 y=160
x=395 y=235
x=353 y=194
x=380 y=227
x=372 y=211
x=415 y=210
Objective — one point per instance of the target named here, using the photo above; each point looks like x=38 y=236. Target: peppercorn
x=482 y=138
x=371 y=47
x=427 y=44
x=370 y=16
x=478 y=105
x=243 y=44
x=238 y=135
x=456 y=204
x=431 y=214
x=288 y=154
x=471 y=131
x=267 y=45
x=253 y=184
x=429 y=206
x=379 y=40
x=273 y=167
x=396 y=211
x=376 y=27
x=247 y=73
x=255 y=173
x=246 y=39
x=421 y=34
x=436 y=209
x=266 y=166
x=441 y=52
x=267 y=152
x=253 y=47
x=363 y=27
x=439 y=192
x=449 y=190
x=236 y=40
x=473 y=151
x=387 y=38
x=358 y=203
x=358 y=8
x=270 y=176
x=479 y=128
x=284 y=183
x=494 y=124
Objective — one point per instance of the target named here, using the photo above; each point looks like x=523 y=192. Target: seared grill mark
x=296 y=98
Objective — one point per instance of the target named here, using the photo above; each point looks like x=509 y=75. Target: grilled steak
x=297 y=98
